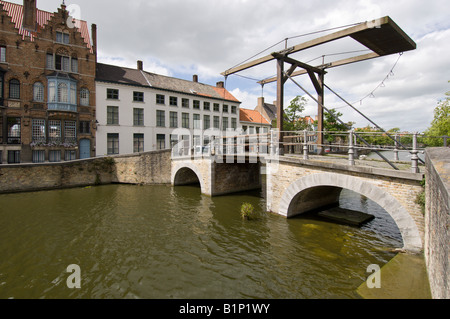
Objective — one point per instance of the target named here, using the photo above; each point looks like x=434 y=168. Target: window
x=185 y=103
x=38 y=156
x=206 y=106
x=206 y=122
x=38 y=92
x=233 y=109
x=54 y=156
x=112 y=94
x=51 y=92
x=196 y=105
x=62 y=37
x=225 y=123
x=112 y=115
x=216 y=107
x=74 y=65
x=160 y=99
x=138 y=96
x=138 y=117
x=14 y=89
x=38 y=130
x=62 y=93
x=160 y=141
x=185 y=120
x=84 y=97
x=234 y=123
x=113 y=143
x=160 y=118
x=14 y=130
x=62 y=63
x=197 y=121
x=2 y=54
x=54 y=132
x=173 y=119
x=85 y=127
x=70 y=155
x=70 y=132
x=138 y=143
x=216 y=122
x=13 y=157
x=49 y=61
x=173 y=140
x=225 y=108
x=173 y=101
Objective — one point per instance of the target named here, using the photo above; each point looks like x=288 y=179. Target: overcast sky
x=206 y=37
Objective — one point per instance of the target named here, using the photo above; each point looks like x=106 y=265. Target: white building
x=140 y=111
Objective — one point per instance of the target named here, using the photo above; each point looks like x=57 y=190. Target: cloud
x=205 y=37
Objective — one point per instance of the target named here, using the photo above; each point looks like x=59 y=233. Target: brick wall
x=145 y=168
x=437 y=221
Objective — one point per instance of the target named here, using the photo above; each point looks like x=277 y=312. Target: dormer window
x=62 y=37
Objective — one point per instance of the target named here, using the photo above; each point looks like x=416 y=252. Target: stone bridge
x=296 y=186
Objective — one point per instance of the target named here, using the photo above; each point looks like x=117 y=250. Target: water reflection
x=164 y=242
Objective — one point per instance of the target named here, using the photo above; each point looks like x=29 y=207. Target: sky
x=206 y=37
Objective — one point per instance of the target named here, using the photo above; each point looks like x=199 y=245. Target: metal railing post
x=414 y=157
x=351 y=151
x=305 y=145
x=396 y=159
x=445 y=137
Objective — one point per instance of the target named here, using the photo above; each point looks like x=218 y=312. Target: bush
x=248 y=211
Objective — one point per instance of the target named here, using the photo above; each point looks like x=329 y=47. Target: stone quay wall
x=437 y=221
x=142 y=168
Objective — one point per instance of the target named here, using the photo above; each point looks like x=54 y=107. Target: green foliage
x=248 y=212
x=378 y=137
x=420 y=199
x=440 y=126
x=293 y=119
x=332 y=125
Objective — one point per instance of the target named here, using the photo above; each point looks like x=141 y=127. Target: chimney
x=261 y=102
x=29 y=21
x=94 y=40
x=220 y=85
x=140 y=65
x=195 y=78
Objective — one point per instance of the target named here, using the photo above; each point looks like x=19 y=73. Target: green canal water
x=164 y=242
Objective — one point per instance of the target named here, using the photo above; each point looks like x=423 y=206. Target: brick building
x=47 y=85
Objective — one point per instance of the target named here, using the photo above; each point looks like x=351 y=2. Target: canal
x=164 y=242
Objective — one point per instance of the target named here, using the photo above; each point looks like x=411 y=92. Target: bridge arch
x=325 y=188
x=187 y=174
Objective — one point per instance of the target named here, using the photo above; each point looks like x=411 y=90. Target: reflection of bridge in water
x=299 y=183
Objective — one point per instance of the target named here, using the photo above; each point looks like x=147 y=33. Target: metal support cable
x=340 y=121
x=376 y=125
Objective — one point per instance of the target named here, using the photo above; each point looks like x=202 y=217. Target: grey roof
x=271 y=111
x=128 y=76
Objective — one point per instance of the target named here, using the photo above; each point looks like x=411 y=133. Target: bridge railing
x=392 y=147
x=231 y=143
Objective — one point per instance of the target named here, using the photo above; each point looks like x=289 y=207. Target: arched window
x=84 y=97
x=38 y=92
x=14 y=89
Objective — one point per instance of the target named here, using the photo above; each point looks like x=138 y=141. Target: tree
x=293 y=119
x=440 y=126
x=330 y=124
